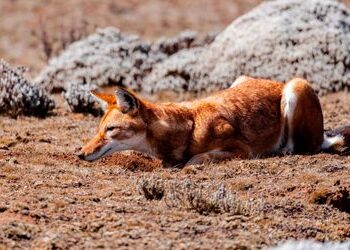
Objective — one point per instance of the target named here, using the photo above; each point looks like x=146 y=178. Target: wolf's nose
x=81 y=156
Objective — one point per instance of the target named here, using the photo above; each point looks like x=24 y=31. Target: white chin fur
x=136 y=142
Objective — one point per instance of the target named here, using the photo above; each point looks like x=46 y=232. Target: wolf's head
x=121 y=127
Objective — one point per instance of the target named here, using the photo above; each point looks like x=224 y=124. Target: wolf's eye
x=110 y=128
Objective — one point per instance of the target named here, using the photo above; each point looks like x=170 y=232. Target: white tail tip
x=329 y=142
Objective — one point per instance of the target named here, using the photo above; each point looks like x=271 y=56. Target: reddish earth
x=51 y=199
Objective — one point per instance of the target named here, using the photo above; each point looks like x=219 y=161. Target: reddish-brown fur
x=308 y=120
x=247 y=120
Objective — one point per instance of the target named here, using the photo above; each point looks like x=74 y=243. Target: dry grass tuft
x=208 y=199
x=204 y=199
x=152 y=188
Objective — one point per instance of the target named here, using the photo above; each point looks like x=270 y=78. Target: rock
x=18 y=96
x=279 y=39
x=312 y=245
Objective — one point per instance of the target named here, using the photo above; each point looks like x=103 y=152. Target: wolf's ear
x=104 y=99
x=126 y=101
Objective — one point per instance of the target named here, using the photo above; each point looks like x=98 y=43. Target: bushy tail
x=337 y=141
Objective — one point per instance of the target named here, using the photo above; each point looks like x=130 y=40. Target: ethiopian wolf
x=255 y=117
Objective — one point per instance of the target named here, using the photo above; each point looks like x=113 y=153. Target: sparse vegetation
x=49 y=199
x=19 y=96
x=151 y=188
x=203 y=199
x=257 y=44
x=206 y=199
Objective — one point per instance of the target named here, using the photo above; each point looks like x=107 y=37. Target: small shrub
x=151 y=188
x=209 y=199
x=80 y=100
x=19 y=96
x=204 y=199
x=111 y=57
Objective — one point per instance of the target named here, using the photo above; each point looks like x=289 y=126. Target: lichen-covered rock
x=312 y=245
x=110 y=57
x=280 y=39
x=19 y=96
x=80 y=100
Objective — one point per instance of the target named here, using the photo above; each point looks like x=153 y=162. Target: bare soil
x=51 y=199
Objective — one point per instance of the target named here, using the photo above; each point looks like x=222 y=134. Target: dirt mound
x=19 y=96
x=339 y=198
x=279 y=39
x=134 y=161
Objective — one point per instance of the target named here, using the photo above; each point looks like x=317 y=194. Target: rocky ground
x=49 y=198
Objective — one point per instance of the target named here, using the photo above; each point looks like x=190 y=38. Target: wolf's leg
x=303 y=120
x=210 y=157
x=213 y=157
